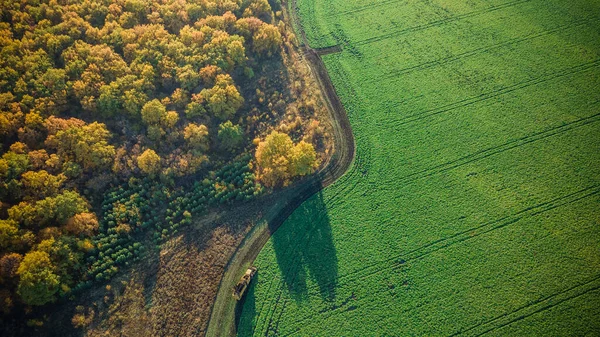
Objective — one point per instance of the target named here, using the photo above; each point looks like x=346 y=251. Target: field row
x=472 y=204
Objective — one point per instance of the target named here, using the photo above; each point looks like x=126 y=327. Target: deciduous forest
x=122 y=121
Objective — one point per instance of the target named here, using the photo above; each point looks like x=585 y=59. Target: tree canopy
x=230 y=135
x=98 y=94
x=149 y=162
x=37 y=281
x=279 y=159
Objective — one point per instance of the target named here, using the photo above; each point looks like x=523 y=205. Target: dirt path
x=222 y=320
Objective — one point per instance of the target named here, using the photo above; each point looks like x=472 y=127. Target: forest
x=121 y=120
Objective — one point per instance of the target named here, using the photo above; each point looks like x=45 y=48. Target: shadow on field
x=304 y=250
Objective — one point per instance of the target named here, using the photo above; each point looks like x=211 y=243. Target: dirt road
x=222 y=320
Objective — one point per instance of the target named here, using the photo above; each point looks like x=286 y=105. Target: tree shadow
x=304 y=250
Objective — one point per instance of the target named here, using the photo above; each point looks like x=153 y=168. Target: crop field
x=473 y=204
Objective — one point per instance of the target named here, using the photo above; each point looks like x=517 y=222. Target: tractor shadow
x=304 y=250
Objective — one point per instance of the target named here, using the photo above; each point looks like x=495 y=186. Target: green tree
x=133 y=100
x=230 y=135
x=224 y=50
x=37 y=281
x=153 y=112
x=196 y=107
x=13 y=164
x=187 y=77
x=66 y=205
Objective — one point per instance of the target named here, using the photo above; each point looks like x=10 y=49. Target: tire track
x=293 y=269
x=335 y=167
x=398 y=260
x=537 y=306
x=482 y=50
x=491 y=151
x=437 y=170
x=462 y=236
x=367 y=7
x=496 y=93
x=463 y=161
x=439 y=22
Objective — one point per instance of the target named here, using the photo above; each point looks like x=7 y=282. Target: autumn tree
x=153 y=112
x=247 y=26
x=86 y=145
x=43 y=212
x=82 y=224
x=38 y=282
x=267 y=40
x=209 y=73
x=159 y=74
x=149 y=162
x=170 y=119
x=41 y=184
x=9 y=264
x=9 y=233
x=33 y=130
x=257 y=8
x=272 y=158
x=38 y=158
x=303 y=159
x=223 y=99
x=196 y=136
x=279 y=160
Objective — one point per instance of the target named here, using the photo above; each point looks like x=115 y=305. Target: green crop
x=472 y=206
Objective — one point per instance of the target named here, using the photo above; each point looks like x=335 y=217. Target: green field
x=473 y=204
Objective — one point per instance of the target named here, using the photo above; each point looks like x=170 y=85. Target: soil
x=226 y=308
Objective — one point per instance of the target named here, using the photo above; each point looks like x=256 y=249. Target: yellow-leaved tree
x=303 y=159
x=196 y=137
x=149 y=162
x=223 y=99
x=267 y=40
x=37 y=281
x=279 y=159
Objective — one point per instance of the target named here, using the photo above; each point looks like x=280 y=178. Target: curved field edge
x=490 y=200
x=222 y=320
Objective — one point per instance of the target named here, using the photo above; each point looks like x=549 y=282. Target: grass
x=472 y=205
